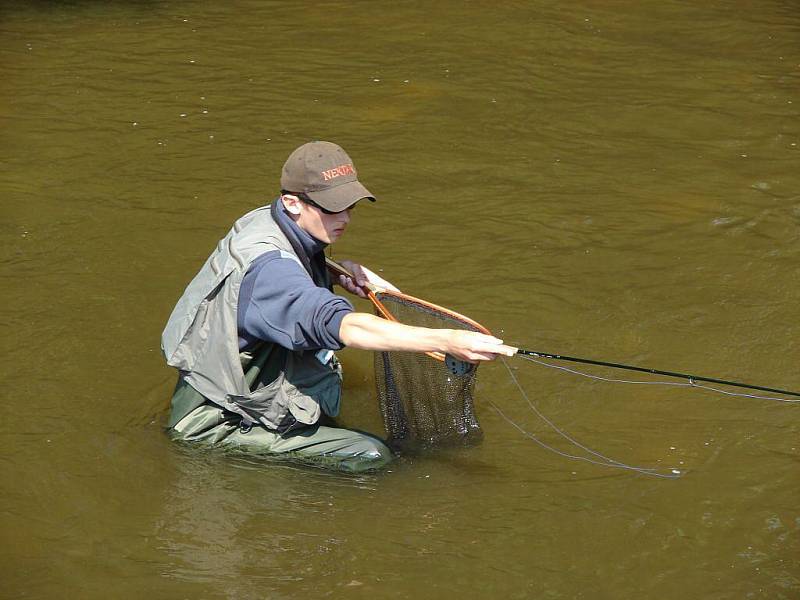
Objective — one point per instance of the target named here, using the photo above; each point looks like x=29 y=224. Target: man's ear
x=291 y=204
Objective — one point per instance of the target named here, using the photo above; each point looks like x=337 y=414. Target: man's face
x=325 y=227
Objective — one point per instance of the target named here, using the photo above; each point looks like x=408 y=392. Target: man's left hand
x=362 y=278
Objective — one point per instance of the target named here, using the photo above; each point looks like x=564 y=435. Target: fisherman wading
x=254 y=334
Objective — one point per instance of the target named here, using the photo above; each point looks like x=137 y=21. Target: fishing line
x=690 y=384
x=604 y=461
x=691 y=378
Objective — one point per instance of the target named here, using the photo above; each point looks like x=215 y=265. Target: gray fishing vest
x=201 y=337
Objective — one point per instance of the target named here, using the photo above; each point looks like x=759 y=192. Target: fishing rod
x=377 y=295
x=690 y=378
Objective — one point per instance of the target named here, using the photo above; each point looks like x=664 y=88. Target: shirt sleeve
x=286 y=307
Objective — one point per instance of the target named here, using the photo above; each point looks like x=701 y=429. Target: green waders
x=196 y=419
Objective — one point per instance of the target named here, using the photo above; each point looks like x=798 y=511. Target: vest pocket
x=268 y=405
x=302 y=390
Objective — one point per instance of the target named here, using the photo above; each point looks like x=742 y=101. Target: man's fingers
x=358 y=273
x=377 y=280
x=506 y=350
x=472 y=346
x=348 y=284
x=477 y=356
x=366 y=278
x=492 y=345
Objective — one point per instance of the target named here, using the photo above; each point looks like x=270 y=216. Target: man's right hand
x=472 y=346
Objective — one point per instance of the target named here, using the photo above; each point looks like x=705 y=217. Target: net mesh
x=422 y=402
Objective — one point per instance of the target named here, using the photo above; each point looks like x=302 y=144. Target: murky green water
x=617 y=180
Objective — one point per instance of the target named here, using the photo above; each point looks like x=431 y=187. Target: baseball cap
x=324 y=172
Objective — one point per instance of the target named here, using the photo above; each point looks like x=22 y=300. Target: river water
x=616 y=180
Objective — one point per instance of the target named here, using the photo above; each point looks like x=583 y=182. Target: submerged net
x=422 y=402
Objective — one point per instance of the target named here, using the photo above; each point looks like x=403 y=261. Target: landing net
x=422 y=402
x=425 y=405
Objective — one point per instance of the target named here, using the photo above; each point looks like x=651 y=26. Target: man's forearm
x=368 y=332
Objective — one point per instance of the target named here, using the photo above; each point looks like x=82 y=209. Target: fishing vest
x=201 y=338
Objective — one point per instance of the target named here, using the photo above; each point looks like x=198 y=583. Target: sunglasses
x=305 y=198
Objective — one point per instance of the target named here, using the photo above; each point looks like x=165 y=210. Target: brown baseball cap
x=324 y=172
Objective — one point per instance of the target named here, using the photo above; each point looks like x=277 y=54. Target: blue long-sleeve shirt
x=280 y=303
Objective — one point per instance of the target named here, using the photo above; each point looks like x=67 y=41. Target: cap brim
x=341 y=197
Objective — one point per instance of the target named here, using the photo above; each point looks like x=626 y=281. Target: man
x=254 y=333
